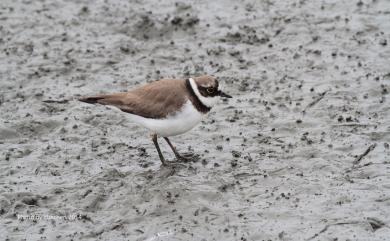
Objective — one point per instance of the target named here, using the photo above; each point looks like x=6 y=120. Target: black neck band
x=195 y=100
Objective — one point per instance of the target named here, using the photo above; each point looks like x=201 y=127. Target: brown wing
x=155 y=100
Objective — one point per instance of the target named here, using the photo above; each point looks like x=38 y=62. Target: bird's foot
x=188 y=157
x=173 y=164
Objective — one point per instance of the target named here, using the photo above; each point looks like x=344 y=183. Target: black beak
x=222 y=94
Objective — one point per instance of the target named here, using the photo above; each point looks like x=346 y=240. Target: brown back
x=155 y=100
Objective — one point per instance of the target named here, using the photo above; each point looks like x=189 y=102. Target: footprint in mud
x=5 y=205
x=20 y=201
x=17 y=153
x=8 y=133
x=36 y=128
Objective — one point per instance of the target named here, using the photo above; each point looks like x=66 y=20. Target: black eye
x=210 y=90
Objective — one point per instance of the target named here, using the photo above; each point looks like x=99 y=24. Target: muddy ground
x=300 y=153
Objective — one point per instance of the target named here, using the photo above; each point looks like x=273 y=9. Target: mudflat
x=301 y=152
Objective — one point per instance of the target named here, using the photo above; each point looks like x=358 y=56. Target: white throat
x=207 y=101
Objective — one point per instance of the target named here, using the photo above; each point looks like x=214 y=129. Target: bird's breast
x=179 y=122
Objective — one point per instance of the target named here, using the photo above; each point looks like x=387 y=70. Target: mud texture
x=300 y=153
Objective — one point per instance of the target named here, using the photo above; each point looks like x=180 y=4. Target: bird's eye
x=210 y=90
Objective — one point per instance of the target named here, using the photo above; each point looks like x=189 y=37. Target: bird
x=166 y=107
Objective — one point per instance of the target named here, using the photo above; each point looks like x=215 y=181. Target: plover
x=167 y=107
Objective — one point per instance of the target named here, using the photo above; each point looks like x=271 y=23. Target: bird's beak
x=222 y=94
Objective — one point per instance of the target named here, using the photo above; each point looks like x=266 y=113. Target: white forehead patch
x=207 y=85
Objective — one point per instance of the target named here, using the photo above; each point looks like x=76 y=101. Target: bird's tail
x=91 y=99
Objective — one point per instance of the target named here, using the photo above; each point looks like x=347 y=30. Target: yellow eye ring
x=210 y=90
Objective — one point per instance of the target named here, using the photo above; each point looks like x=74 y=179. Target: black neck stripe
x=195 y=100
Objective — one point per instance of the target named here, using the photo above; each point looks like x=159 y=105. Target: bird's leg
x=154 y=138
x=178 y=156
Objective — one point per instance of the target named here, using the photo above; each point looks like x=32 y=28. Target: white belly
x=182 y=121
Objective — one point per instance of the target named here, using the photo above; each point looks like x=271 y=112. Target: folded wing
x=155 y=100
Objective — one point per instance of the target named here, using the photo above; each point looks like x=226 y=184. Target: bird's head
x=207 y=89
